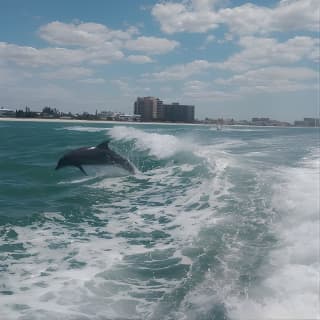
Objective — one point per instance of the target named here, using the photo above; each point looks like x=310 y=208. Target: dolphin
x=101 y=154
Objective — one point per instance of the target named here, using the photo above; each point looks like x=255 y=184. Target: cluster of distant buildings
x=306 y=122
x=154 y=109
x=146 y=109
x=252 y=122
x=53 y=113
x=151 y=109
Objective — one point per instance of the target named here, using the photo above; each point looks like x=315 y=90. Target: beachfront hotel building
x=146 y=107
x=153 y=109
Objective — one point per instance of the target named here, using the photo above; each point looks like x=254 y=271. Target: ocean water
x=214 y=224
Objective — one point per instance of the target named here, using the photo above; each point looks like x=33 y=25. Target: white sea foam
x=84 y=129
x=247 y=129
x=49 y=283
x=291 y=287
x=158 y=145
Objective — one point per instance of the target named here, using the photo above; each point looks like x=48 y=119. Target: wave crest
x=160 y=146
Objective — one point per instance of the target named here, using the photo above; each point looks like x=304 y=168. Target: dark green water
x=214 y=225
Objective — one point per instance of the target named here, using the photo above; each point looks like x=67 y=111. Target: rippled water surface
x=214 y=224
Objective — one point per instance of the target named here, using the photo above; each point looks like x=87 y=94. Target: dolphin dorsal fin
x=103 y=145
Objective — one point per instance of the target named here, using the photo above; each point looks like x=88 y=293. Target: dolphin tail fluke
x=125 y=164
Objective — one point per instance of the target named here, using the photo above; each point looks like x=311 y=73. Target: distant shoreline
x=136 y=122
x=96 y=121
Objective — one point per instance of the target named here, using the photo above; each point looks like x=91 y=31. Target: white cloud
x=180 y=17
x=268 y=51
x=139 y=59
x=201 y=16
x=151 y=45
x=92 y=44
x=288 y=15
x=128 y=88
x=29 y=56
x=210 y=38
x=247 y=19
x=204 y=91
x=181 y=71
x=68 y=73
x=103 y=54
x=93 y=80
x=33 y=57
x=123 y=86
x=292 y=15
x=10 y=76
x=273 y=79
x=255 y=52
x=94 y=36
x=82 y=34
x=205 y=4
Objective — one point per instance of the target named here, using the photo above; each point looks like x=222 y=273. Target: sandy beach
x=136 y=123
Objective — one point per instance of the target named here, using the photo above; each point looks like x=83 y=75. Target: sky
x=229 y=58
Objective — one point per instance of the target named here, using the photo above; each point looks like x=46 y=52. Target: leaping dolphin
x=101 y=154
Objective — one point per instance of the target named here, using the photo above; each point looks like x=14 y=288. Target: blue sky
x=229 y=58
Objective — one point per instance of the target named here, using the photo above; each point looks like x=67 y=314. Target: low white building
x=129 y=117
x=5 y=112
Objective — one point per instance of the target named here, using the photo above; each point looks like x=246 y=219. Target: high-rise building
x=146 y=107
x=160 y=113
x=153 y=109
x=176 y=112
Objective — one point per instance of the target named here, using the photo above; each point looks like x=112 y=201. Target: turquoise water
x=214 y=225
